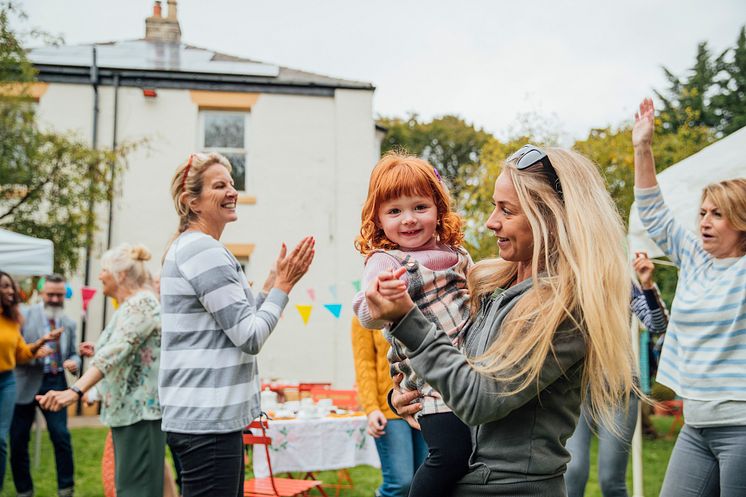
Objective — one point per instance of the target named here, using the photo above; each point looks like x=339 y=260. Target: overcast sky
x=576 y=64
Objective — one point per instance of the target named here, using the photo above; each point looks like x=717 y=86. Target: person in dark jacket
x=549 y=322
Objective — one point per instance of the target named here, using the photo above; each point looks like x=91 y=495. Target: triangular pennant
x=115 y=304
x=335 y=309
x=87 y=292
x=333 y=291
x=312 y=294
x=304 y=311
x=356 y=284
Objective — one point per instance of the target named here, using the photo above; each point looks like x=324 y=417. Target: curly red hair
x=398 y=175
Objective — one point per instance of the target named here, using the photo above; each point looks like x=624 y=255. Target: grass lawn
x=88 y=444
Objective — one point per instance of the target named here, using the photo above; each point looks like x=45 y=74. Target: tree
x=729 y=104
x=47 y=179
x=687 y=103
x=449 y=143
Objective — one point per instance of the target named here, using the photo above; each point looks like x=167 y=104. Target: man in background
x=37 y=378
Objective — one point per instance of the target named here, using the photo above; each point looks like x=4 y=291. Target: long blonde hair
x=187 y=184
x=580 y=274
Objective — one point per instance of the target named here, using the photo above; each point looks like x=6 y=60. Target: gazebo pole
x=637 y=489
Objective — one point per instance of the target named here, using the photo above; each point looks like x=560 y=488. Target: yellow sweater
x=13 y=348
x=369 y=349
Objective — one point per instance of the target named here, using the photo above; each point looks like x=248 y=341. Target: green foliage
x=449 y=143
x=47 y=180
x=730 y=101
x=711 y=95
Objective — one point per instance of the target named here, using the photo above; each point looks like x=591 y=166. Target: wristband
x=76 y=390
x=388 y=401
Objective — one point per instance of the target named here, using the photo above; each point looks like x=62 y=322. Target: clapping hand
x=642 y=131
x=387 y=296
x=291 y=267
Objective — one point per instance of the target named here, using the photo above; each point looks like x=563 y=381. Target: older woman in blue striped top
x=704 y=353
x=213 y=327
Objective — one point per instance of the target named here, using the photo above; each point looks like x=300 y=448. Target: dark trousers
x=211 y=464
x=20 y=433
x=449 y=448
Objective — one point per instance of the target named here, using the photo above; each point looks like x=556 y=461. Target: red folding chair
x=278 y=487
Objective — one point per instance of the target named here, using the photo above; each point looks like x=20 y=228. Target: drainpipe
x=113 y=183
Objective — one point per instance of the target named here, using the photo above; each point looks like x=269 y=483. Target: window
x=225 y=132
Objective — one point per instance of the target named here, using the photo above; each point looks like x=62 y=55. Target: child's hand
x=387 y=297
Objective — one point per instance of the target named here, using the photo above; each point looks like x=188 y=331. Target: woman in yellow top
x=13 y=350
x=400 y=447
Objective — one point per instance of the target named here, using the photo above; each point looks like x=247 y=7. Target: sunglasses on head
x=530 y=155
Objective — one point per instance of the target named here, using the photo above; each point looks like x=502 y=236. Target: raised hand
x=387 y=296
x=642 y=131
x=292 y=267
x=644 y=268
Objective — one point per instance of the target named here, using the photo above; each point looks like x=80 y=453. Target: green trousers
x=139 y=452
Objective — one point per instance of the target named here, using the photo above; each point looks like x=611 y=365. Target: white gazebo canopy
x=683 y=182
x=22 y=255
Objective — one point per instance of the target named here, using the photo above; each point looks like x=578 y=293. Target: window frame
x=229 y=150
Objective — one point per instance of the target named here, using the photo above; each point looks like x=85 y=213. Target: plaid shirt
x=443 y=298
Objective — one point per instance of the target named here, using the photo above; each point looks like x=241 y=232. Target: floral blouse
x=128 y=354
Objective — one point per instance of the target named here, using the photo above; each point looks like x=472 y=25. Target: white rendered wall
x=310 y=159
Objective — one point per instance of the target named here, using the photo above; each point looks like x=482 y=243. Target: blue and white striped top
x=704 y=354
x=211 y=331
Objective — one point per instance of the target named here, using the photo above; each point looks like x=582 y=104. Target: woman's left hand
x=56 y=400
x=387 y=296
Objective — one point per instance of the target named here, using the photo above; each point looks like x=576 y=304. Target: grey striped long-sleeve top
x=212 y=330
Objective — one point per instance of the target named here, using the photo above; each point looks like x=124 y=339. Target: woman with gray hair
x=126 y=365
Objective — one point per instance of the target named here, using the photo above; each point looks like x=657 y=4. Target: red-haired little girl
x=407 y=222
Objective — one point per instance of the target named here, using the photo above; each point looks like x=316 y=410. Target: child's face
x=409 y=222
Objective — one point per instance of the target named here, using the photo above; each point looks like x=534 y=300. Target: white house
x=302 y=146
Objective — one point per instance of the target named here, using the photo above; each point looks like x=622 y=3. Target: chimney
x=172 y=10
x=163 y=29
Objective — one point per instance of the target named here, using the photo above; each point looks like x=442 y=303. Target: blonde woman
x=705 y=348
x=125 y=367
x=549 y=320
x=213 y=328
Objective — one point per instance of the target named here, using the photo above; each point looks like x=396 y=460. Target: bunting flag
x=333 y=291
x=312 y=294
x=115 y=304
x=40 y=285
x=68 y=291
x=87 y=292
x=356 y=284
x=335 y=309
x=304 y=311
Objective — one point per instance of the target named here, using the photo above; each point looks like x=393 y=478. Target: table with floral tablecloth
x=329 y=443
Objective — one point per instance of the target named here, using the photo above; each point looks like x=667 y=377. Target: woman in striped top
x=704 y=353
x=213 y=327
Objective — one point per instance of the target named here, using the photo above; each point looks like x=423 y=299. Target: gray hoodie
x=516 y=438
